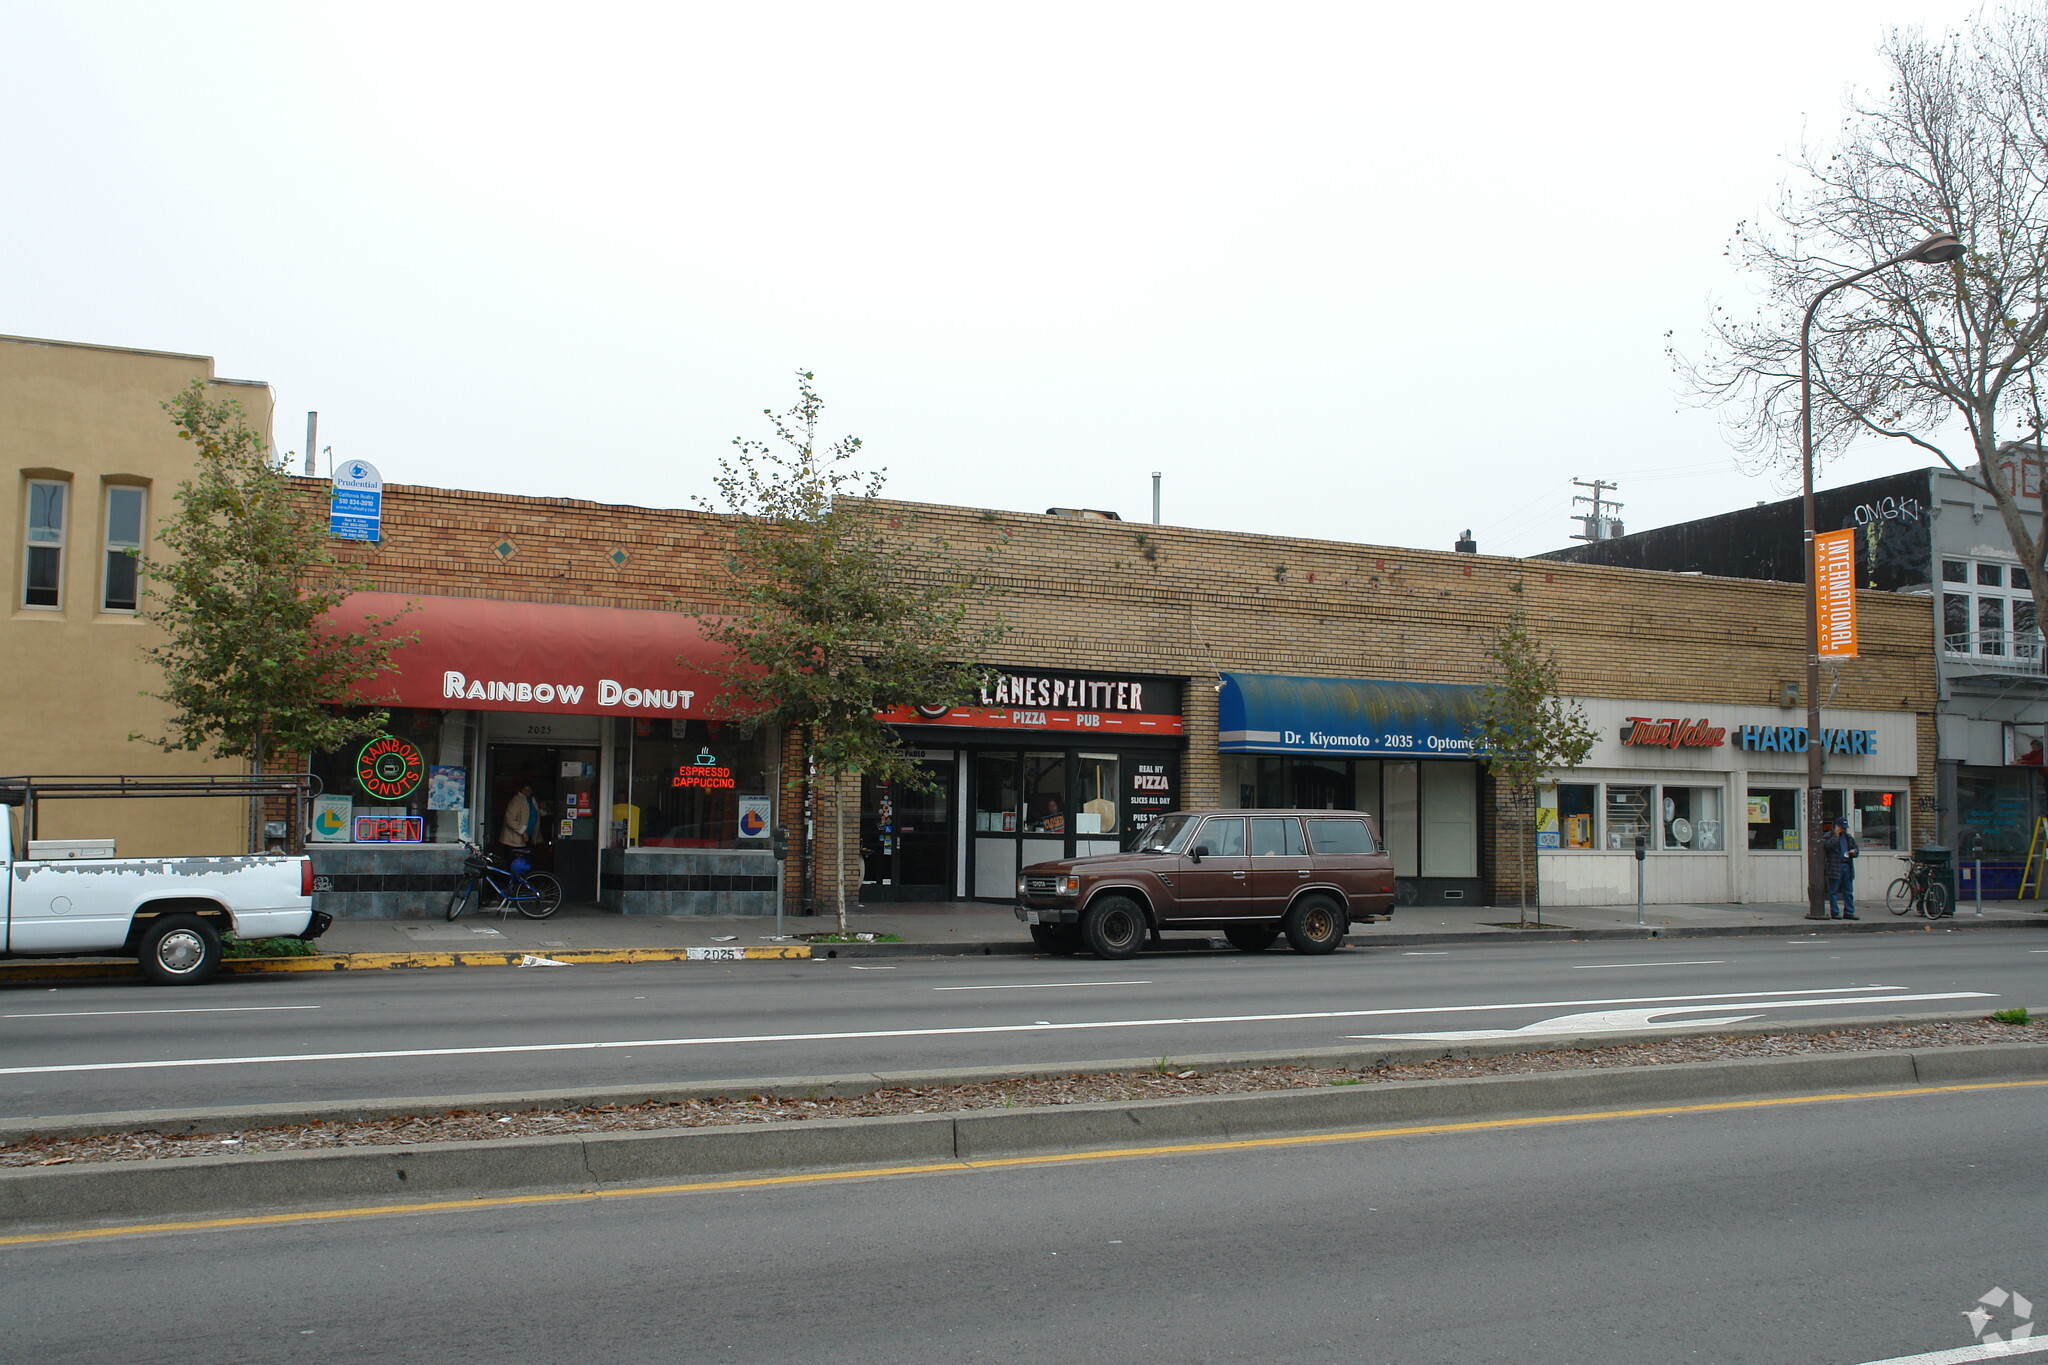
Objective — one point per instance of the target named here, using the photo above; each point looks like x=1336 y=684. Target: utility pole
x=1599 y=526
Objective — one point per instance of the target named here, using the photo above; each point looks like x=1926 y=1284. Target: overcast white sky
x=1371 y=272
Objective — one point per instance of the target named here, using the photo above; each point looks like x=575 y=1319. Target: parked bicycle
x=535 y=895
x=1918 y=890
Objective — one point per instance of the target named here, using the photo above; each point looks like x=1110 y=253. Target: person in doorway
x=521 y=825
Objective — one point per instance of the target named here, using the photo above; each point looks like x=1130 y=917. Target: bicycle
x=535 y=895
x=1918 y=890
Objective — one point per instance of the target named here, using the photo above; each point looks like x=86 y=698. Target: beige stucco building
x=91 y=464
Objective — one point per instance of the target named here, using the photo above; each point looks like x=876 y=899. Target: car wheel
x=1315 y=924
x=1251 y=938
x=1060 y=940
x=180 y=950
x=1114 y=927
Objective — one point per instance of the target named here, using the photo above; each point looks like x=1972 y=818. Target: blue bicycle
x=535 y=895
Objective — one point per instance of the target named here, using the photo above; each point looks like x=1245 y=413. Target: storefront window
x=1576 y=803
x=1628 y=817
x=1692 y=819
x=1240 y=784
x=1400 y=820
x=1877 y=819
x=1996 y=805
x=1320 y=784
x=408 y=784
x=689 y=780
x=1450 y=819
x=1096 y=787
x=1773 y=817
x=995 y=793
x=1045 y=793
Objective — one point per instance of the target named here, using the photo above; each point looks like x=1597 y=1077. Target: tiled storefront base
x=356 y=882
x=352 y=882
x=688 y=881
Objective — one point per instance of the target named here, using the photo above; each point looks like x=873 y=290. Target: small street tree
x=1945 y=357
x=1526 y=730
x=245 y=577
x=839 y=617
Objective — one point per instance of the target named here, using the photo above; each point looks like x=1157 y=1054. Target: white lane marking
x=192 y=1009
x=1695 y=962
x=1042 y=986
x=1616 y=1021
x=1442 y=954
x=870 y=969
x=2038 y=950
x=962 y=1031
x=1963 y=1355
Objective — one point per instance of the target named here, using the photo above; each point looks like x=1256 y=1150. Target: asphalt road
x=1833 y=1232
x=97 y=1047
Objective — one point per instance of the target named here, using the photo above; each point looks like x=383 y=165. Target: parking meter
x=1642 y=852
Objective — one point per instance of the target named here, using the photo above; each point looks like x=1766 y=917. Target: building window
x=1628 y=817
x=1692 y=818
x=43 y=563
x=1576 y=803
x=1987 y=611
x=1773 y=817
x=121 y=589
x=1879 y=822
x=1098 y=792
x=1045 y=793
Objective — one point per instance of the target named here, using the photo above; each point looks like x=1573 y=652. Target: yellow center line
x=992 y=1163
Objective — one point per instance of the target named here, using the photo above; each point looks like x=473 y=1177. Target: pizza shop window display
x=685 y=784
x=406 y=784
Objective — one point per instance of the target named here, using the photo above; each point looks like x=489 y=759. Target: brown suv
x=1254 y=874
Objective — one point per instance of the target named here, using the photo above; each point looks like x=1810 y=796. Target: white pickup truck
x=168 y=913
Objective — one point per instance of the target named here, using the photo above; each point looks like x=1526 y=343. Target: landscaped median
x=67 y=1177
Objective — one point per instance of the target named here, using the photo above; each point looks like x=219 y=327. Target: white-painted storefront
x=1716 y=794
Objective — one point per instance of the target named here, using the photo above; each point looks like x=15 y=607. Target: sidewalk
x=585 y=934
x=967 y=926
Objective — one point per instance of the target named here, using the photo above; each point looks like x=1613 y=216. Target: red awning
x=479 y=655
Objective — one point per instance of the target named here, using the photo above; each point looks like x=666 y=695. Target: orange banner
x=1834 y=580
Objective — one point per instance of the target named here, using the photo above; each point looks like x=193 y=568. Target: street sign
x=356 y=506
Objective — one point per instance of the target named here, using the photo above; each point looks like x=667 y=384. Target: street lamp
x=1939 y=249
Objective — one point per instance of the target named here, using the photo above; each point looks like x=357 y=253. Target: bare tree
x=1957 y=142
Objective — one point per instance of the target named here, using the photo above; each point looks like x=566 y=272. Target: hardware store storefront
x=589 y=726
x=1717 y=795
x=1043 y=764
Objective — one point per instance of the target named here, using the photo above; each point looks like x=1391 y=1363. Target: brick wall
x=1132 y=598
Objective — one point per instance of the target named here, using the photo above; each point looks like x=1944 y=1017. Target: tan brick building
x=1143 y=666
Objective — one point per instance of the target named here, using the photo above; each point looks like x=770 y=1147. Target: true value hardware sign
x=356 y=502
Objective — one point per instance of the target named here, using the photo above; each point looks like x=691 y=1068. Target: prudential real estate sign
x=356 y=506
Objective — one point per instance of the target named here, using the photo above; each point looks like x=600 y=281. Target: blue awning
x=1263 y=713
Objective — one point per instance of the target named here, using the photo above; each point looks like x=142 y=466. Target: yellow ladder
x=2035 y=861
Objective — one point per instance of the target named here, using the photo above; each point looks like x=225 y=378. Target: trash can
x=1941 y=864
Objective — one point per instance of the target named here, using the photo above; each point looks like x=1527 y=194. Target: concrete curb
x=107 y=969
x=81 y=1195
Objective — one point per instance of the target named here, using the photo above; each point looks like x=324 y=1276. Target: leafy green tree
x=246 y=576
x=1526 y=730
x=839 y=616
